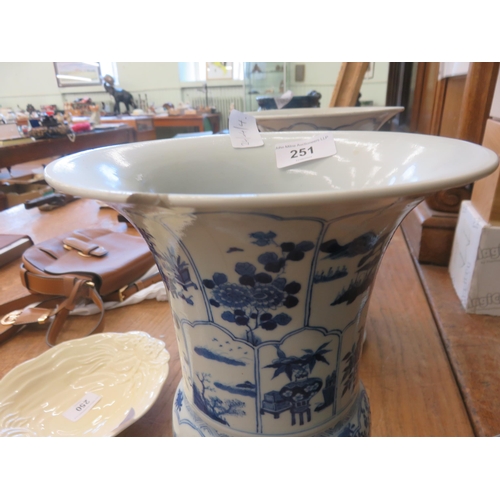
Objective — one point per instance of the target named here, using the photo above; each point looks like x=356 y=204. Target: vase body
x=344 y=118
x=269 y=308
x=270 y=269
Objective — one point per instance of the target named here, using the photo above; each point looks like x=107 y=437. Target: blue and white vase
x=269 y=271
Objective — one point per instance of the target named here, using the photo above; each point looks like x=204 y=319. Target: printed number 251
x=301 y=152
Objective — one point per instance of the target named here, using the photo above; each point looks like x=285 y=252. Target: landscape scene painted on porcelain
x=187 y=422
x=258 y=312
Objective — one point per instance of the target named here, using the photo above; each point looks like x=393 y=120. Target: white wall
x=23 y=83
x=317 y=76
x=375 y=89
x=28 y=83
x=159 y=80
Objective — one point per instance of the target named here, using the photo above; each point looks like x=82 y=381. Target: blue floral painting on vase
x=258 y=293
x=173 y=269
x=178 y=276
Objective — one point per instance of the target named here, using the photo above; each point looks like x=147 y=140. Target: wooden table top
x=472 y=342
x=186 y=120
x=125 y=118
x=58 y=146
x=197 y=116
x=404 y=366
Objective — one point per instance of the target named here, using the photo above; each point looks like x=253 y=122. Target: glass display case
x=263 y=79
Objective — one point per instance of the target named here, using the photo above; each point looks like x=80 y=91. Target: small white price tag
x=79 y=409
x=284 y=99
x=290 y=153
x=243 y=130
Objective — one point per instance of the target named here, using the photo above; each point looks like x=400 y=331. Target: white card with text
x=290 y=153
x=80 y=408
x=243 y=130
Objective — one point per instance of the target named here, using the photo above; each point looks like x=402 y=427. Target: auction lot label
x=290 y=153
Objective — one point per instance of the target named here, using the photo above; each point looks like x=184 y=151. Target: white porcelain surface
x=209 y=172
x=342 y=118
x=127 y=370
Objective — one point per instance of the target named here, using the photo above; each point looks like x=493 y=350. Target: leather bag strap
x=16 y=314
x=48 y=285
x=53 y=311
x=82 y=289
x=57 y=297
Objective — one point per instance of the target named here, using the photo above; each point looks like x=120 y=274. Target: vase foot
x=187 y=423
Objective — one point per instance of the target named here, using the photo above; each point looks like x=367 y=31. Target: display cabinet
x=264 y=78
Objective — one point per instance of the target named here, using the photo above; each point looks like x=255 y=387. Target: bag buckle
x=10 y=318
x=122 y=297
x=43 y=319
x=84 y=248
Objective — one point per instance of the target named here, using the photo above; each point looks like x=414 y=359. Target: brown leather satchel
x=95 y=265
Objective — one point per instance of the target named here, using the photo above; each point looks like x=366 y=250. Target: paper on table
x=81 y=407
x=155 y=291
x=284 y=99
x=243 y=130
x=129 y=417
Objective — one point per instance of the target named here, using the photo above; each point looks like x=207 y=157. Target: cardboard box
x=475 y=262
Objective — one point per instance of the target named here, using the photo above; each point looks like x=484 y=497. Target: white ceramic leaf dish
x=126 y=371
x=342 y=118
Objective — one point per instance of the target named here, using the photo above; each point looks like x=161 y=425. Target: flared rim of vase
x=424 y=164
